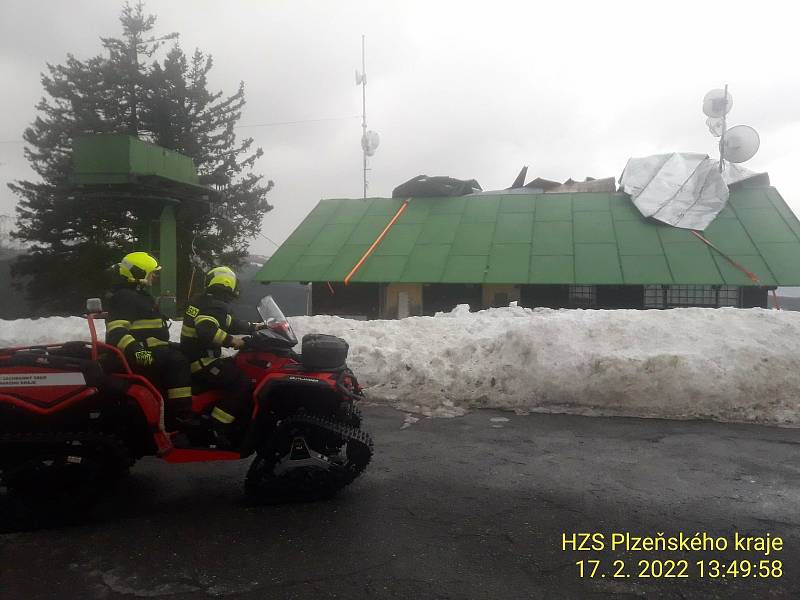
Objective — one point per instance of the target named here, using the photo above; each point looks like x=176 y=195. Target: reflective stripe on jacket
x=207 y=327
x=134 y=322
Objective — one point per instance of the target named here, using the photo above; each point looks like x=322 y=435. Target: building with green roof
x=587 y=249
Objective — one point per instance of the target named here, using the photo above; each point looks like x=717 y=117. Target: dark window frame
x=686 y=296
x=582 y=296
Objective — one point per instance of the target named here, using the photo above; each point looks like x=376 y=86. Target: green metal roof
x=581 y=238
x=120 y=161
x=112 y=158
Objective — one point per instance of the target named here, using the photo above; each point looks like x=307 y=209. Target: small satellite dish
x=716 y=125
x=715 y=104
x=370 y=142
x=739 y=144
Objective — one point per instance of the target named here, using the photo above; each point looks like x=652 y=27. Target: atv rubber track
x=262 y=486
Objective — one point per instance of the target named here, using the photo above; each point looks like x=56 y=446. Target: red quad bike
x=74 y=417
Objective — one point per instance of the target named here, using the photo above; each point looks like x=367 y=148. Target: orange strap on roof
x=750 y=274
x=376 y=242
x=736 y=264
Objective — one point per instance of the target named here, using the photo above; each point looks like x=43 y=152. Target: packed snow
x=723 y=364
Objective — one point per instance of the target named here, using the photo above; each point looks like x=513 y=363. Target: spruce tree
x=73 y=237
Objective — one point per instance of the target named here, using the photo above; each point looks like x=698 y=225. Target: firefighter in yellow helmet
x=136 y=326
x=209 y=326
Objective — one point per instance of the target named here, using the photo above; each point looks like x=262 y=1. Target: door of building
x=402 y=305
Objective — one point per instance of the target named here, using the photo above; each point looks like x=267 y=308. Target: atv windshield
x=270 y=312
x=277 y=326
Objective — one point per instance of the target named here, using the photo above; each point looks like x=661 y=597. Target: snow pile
x=725 y=364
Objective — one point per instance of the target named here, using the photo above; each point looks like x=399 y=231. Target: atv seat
x=74 y=349
x=107 y=361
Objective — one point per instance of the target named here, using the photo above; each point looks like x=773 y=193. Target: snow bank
x=724 y=364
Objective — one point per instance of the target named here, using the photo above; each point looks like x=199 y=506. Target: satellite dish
x=715 y=104
x=739 y=144
x=370 y=142
x=716 y=125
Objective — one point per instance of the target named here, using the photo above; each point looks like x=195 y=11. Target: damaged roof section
x=547 y=186
x=684 y=189
x=423 y=186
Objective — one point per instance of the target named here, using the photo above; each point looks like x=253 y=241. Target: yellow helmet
x=223 y=277
x=136 y=266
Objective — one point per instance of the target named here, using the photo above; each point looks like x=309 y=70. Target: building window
x=691 y=295
x=582 y=296
x=730 y=295
x=654 y=296
x=676 y=296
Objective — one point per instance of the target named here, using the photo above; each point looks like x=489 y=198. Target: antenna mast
x=724 y=126
x=364 y=111
x=369 y=139
x=737 y=144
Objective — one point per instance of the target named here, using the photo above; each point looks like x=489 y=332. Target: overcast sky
x=466 y=89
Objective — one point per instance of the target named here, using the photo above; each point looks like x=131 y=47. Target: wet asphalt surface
x=449 y=508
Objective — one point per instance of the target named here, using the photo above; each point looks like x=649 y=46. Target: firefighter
x=136 y=326
x=209 y=326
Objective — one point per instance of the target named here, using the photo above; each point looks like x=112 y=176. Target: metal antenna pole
x=364 y=113
x=724 y=127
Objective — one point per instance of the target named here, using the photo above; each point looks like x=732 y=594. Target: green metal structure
x=154 y=182
x=582 y=238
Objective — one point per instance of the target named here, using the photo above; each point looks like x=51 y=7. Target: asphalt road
x=449 y=508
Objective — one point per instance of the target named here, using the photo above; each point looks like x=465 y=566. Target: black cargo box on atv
x=322 y=352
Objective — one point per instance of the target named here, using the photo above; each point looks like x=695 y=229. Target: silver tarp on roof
x=682 y=189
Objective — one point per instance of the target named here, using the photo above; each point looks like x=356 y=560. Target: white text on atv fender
x=41 y=379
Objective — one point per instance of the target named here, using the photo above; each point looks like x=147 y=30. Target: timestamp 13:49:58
x=658 y=569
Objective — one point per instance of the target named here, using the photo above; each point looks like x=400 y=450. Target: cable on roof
x=753 y=277
x=377 y=241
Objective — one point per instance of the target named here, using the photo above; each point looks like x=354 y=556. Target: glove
x=144 y=358
x=260 y=326
x=237 y=341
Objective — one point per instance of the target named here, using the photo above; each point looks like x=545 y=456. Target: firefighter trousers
x=170 y=372
x=236 y=406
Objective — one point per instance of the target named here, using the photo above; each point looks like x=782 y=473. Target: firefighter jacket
x=134 y=323
x=208 y=326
